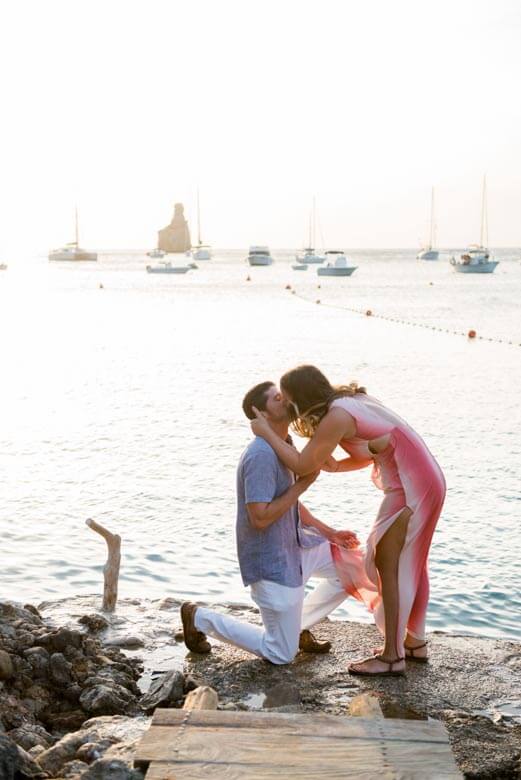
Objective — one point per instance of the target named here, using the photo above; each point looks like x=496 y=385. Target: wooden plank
x=432 y=730
x=246 y=745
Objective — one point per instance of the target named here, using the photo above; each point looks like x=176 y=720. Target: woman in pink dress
x=392 y=576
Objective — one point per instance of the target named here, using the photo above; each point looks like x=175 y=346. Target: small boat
x=3 y=266
x=72 y=251
x=477 y=259
x=201 y=251
x=429 y=253
x=259 y=255
x=300 y=266
x=156 y=253
x=336 y=265
x=308 y=254
x=166 y=267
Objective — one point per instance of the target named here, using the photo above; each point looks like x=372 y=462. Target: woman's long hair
x=311 y=394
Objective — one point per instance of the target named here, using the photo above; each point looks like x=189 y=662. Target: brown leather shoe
x=309 y=644
x=194 y=640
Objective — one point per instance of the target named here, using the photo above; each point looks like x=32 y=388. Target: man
x=280 y=546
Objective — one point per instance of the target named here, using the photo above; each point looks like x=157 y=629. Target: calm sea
x=122 y=402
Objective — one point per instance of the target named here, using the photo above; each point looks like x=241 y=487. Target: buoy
x=471 y=334
x=288 y=287
x=100 y=286
x=318 y=300
x=368 y=313
x=318 y=287
x=248 y=278
x=431 y=284
x=293 y=292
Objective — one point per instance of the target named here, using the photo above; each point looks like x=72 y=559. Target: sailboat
x=72 y=251
x=477 y=259
x=308 y=254
x=428 y=253
x=201 y=251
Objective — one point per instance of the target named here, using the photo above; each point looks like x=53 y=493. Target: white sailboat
x=477 y=259
x=308 y=255
x=428 y=253
x=73 y=250
x=201 y=251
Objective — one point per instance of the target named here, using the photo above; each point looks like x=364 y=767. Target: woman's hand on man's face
x=259 y=425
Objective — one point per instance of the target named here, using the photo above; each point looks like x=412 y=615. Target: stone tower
x=175 y=237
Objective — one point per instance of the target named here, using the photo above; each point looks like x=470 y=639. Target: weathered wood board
x=193 y=744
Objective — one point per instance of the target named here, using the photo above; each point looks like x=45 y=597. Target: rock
x=111 y=769
x=229 y=706
x=106 y=700
x=8 y=758
x=64 y=751
x=94 y=623
x=27 y=766
x=59 y=669
x=91 y=751
x=125 y=641
x=73 y=769
x=176 y=236
x=281 y=695
x=38 y=658
x=29 y=736
x=62 y=638
x=164 y=691
x=6 y=666
x=33 y=610
x=365 y=705
x=202 y=698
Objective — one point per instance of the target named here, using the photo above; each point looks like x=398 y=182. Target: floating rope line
x=470 y=334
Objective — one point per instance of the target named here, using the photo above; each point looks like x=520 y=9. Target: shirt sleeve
x=260 y=478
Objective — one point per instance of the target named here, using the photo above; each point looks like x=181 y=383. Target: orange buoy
x=248 y=278
x=368 y=313
x=101 y=286
x=318 y=287
x=318 y=300
x=293 y=292
x=471 y=334
x=288 y=287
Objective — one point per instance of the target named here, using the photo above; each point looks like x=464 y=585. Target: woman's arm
x=336 y=425
x=346 y=539
x=346 y=464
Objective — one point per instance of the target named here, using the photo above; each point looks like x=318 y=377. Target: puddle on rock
x=509 y=710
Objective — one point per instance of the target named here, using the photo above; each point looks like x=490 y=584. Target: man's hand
x=259 y=425
x=307 y=481
x=346 y=539
x=330 y=464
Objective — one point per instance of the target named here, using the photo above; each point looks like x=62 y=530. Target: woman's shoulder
x=347 y=402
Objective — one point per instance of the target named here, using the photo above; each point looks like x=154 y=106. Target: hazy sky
x=125 y=107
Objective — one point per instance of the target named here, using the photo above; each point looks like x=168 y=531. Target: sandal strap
x=390 y=664
x=410 y=650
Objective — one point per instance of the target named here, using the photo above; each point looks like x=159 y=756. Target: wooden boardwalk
x=213 y=744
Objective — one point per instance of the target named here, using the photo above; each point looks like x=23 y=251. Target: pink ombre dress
x=409 y=477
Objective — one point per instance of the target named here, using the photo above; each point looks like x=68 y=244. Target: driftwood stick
x=111 y=568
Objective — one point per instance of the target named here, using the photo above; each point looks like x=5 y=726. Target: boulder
x=164 y=691
x=106 y=700
x=6 y=666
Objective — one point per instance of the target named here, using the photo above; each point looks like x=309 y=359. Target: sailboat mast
x=198 y=220
x=76 y=231
x=484 y=215
x=314 y=224
x=431 y=238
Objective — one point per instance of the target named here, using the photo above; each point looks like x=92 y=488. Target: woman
x=414 y=491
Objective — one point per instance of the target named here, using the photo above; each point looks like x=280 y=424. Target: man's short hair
x=257 y=397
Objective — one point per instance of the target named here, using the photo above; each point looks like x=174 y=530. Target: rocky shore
x=77 y=688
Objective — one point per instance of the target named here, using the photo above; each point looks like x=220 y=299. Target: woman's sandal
x=409 y=653
x=389 y=672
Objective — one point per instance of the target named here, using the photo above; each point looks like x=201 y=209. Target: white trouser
x=284 y=611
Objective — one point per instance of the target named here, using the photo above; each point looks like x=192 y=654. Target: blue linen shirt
x=273 y=553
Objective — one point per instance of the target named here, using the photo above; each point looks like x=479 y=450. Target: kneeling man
x=280 y=547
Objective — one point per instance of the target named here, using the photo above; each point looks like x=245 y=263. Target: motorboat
x=336 y=264
x=156 y=253
x=308 y=256
x=477 y=258
x=259 y=255
x=300 y=266
x=72 y=251
x=166 y=267
x=428 y=253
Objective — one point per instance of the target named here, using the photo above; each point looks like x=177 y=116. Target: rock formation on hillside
x=175 y=237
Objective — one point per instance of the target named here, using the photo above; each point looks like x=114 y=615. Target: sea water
x=120 y=400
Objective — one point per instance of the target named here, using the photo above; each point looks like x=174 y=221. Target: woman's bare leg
x=387 y=560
